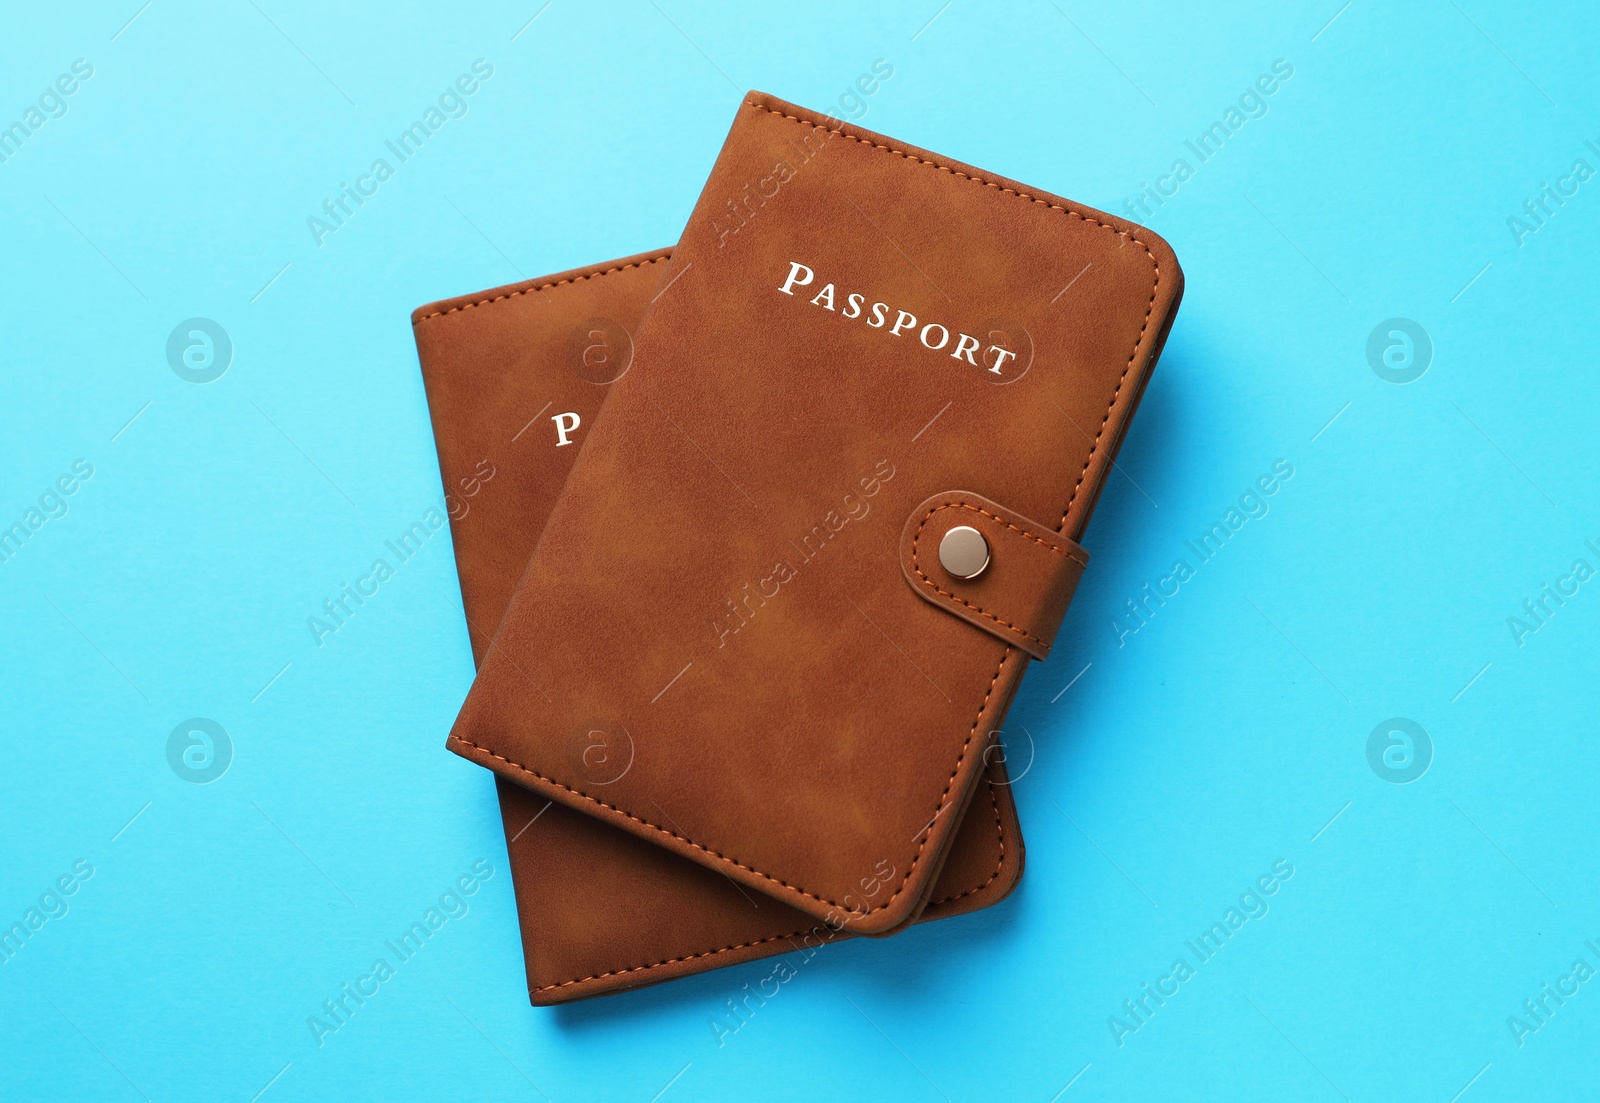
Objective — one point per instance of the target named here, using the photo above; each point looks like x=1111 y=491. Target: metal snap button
x=964 y=552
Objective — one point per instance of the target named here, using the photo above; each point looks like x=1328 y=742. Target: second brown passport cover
x=601 y=910
x=739 y=583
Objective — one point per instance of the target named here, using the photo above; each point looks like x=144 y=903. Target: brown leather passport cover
x=856 y=346
x=601 y=909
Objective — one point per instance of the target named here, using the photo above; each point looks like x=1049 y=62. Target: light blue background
x=1228 y=733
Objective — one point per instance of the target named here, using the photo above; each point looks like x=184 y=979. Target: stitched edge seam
x=931 y=584
x=1094 y=451
x=669 y=961
x=1000 y=830
x=540 y=287
x=965 y=747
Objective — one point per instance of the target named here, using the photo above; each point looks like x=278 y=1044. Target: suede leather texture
x=601 y=910
x=719 y=589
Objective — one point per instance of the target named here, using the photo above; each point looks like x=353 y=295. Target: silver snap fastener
x=964 y=552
